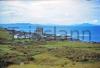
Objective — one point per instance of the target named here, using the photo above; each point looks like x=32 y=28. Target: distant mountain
x=86 y=24
x=18 y=25
x=28 y=25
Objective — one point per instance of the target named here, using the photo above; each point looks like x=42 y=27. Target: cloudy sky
x=62 y=12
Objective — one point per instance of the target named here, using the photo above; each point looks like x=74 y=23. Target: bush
x=4 y=36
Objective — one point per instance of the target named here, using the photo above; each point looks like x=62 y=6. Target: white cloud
x=43 y=12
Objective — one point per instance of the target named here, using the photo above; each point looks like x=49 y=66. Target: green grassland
x=26 y=53
x=52 y=54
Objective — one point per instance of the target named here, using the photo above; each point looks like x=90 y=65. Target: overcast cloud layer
x=50 y=11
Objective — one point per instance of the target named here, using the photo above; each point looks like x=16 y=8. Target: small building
x=38 y=34
x=39 y=30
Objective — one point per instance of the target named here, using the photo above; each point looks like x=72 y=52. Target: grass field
x=76 y=65
x=80 y=45
x=53 y=54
